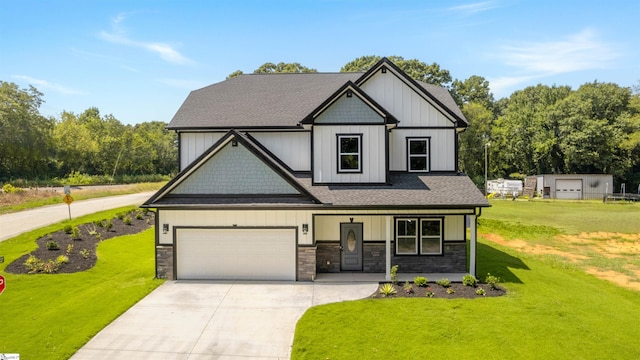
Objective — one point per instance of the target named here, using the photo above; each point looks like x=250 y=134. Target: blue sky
x=138 y=60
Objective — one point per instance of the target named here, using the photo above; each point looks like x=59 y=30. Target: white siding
x=293 y=148
x=404 y=102
x=240 y=218
x=328 y=227
x=443 y=145
x=193 y=145
x=373 y=159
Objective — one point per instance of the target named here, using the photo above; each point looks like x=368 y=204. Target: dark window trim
x=338 y=153
x=428 y=155
x=418 y=237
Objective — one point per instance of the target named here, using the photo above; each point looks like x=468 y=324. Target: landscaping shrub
x=394 y=274
x=52 y=245
x=469 y=280
x=492 y=281
x=444 y=282
x=420 y=281
x=387 y=289
x=67 y=229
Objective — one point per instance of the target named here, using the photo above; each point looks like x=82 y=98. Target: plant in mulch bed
x=408 y=288
x=445 y=283
x=387 y=289
x=80 y=243
x=492 y=281
x=420 y=281
x=481 y=291
x=469 y=280
x=393 y=273
x=428 y=293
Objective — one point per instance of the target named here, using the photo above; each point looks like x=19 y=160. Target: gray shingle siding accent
x=234 y=170
x=349 y=110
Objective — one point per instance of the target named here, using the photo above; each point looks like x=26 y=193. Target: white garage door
x=569 y=189
x=236 y=254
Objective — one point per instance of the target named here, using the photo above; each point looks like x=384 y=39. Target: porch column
x=387 y=247
x=473 y=222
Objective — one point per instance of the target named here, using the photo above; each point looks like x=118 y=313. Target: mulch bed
x=460 y=291
x=79 y=259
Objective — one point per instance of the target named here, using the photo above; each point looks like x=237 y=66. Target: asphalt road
x=17 y=223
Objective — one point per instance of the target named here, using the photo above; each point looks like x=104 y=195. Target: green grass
x=551 y=312
x=553 y=309
x=570 y=217
x=20 y=203
x=52 y=316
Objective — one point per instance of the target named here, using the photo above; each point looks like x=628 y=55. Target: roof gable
x=435 y=95
x=233 y=167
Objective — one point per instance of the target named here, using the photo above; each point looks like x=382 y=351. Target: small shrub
x=387 y=289
x=10 y=189
x=444 y=282
x=92 y=229
x=429 y=293
x=69 y=249
x=62 y=259
x=99 y=223
x=127 y=220
x=394 y=274
x=108 y=225
x=33 y=264
x=139 y=214
x=408 y=288
x=75 y=233
x=420 y=281
x=450 y=290
x=50 y=267
x=480 y=291
x=469 y=280
x=52 y=245
x=85 y=253
x=120 y=216
x=67 y=229
x=492 y=281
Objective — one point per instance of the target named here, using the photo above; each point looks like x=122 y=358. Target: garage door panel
x=569 y=189
x=236 y=254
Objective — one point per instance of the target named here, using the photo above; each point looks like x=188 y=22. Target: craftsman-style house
x=288 y=176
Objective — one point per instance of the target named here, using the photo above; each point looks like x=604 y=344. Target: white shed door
x=569 y=189
x=236 y=254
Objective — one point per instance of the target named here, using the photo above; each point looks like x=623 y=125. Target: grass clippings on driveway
x=51 y=316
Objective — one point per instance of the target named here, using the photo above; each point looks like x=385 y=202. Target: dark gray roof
x=258 y=100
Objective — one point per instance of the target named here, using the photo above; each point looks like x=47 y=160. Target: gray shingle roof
x=258 y=100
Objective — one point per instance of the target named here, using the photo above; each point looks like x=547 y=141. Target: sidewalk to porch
x=379 y=277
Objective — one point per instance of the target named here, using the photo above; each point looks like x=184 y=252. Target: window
x=418 y=154
x=419 y=236
x=349 y=153
x=431 y=236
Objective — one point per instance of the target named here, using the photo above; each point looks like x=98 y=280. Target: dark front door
x=351 y=246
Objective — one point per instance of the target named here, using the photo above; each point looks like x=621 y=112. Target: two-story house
x=287 y=176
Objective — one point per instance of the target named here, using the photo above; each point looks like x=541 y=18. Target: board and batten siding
x=195 y=144
x=239 y=218
x=442 y=142
x=293 y=148
x=325 y=154
x=328 y=227
x=409 y=107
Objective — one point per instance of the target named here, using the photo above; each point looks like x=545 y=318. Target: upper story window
x=418 y=154
x=349 y=153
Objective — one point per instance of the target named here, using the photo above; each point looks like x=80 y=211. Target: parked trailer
x=504 y=187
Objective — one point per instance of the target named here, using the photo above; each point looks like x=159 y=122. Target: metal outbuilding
x=571 y=186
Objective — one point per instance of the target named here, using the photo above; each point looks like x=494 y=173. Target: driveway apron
x=215 y=320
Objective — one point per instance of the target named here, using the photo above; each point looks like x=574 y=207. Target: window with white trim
x=418 y=154
x=421 y=236
x=349 y=153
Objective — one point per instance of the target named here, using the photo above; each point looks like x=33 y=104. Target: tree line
x=35 y=147
x=538 y=130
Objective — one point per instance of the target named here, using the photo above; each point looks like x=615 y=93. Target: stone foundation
x=453 y=260
x=164 y=262
x=306 y=263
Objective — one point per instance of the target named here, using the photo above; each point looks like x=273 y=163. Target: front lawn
x=553 y=309
x=52 y=316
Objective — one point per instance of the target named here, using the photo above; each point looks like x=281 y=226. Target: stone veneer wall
x=306 y=263
x=454 y=259
x=164 y=262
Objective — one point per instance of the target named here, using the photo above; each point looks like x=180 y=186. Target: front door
x=351 y=246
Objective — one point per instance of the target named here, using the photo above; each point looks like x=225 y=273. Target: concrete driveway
x=216 y=320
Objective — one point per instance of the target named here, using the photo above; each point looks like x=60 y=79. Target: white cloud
x=44 y=84
x=535 y=60
x=117 y=35
x=473 y=8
